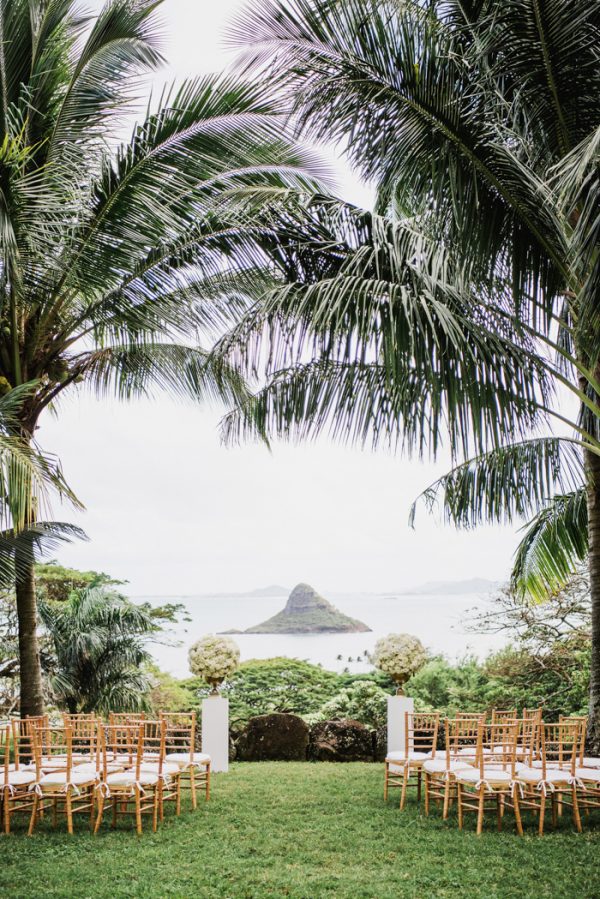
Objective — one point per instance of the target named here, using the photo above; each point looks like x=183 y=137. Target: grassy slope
x=303 y=831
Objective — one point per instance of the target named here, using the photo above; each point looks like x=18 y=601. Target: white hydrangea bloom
x=214 y=658
x=399 y=655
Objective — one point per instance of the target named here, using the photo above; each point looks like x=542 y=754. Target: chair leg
x=178 y=795
x=100 y=812
x=426 y=794
x=34 y=813
x=138 y=811
x=499 y=810
x=576 y=815
x=418 y=785
x=517 y=809
x=459 y=805
x=404 y=785
x=6 y=811
x=385 y=781
x=542 y=814
x=480 y=810
x=155 y=810
x=69 y=809
x=159 y=794
x=207 y=794
x=192 y=776
x=92 y=798
x=446 y=799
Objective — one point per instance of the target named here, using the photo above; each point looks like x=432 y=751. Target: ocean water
x=438 y=621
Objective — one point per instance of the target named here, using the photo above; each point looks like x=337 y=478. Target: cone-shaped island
x=308 y=613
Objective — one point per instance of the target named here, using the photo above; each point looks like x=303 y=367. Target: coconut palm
x=98 y=643
x=115 y=258
x=468 y=311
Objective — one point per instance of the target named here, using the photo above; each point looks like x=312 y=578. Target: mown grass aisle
x=302 y=831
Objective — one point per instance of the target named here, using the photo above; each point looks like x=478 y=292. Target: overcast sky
x=174 y=512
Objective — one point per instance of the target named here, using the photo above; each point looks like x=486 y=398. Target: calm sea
x=438 y=621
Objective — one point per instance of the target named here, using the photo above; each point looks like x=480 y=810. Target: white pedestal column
x=397 y=706
x=215 y=731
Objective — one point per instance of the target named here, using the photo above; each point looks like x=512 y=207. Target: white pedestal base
x=396 y=732
x=215 y=731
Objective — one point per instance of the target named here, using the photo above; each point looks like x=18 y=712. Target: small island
x=306 y=612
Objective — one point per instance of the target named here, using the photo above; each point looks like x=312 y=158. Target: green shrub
x=363 y=701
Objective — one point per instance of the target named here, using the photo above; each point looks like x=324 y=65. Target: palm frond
x=553 y=548
x=509 y=482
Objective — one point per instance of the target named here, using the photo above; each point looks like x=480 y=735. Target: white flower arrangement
x=214 y=658
x=400 y=656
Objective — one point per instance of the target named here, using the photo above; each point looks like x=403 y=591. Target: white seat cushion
x=154 y=767
x=90 y=768
x=472 y=751
x=128 y=779
x=590 y=762
x=491 y=776
x=440 y=766
x=588 y=774
x=183 y=758
x=401 y=756
x=534 y=776
x=18 y=778
x=59 y=779
x=499 y=766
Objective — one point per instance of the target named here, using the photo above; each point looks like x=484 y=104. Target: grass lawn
x=304 y=831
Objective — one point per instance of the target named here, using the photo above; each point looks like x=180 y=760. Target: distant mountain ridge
x=452 y=588
x=306 y=612
x=271 y=590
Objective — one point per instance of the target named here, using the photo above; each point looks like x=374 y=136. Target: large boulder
x=275 y=737
x=340 y=741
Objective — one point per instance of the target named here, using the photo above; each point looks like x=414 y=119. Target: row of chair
x=86 y=766
x=506 y=762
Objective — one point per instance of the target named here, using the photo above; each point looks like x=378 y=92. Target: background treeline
x=96 y=654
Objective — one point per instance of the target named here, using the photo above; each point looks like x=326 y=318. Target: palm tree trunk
x=593 y=500
x=32 y=696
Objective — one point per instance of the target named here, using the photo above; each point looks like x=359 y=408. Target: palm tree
x=465 y=309
x=116 y=259
x=98 y=639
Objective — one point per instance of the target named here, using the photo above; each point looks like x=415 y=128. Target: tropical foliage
x=117 y=259
x=99 y=648
x=464 y=310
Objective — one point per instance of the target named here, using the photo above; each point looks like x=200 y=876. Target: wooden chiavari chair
x=15 y=778
x=181 y=744
x=132 y=787
x=553 y=775
x=489 y=785
x=583 y=761
x=59 y=783
x=420 y=741
x=440 y=772
x=154 y=762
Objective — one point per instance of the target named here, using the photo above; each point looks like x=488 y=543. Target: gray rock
x=344 y=740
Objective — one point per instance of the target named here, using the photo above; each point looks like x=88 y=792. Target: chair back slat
x=461 y=737
x=121 y=743
x=559 y=745
x=180 y=732
x=497 y=746
x=421 y=732
x=500 y=715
